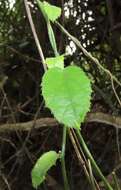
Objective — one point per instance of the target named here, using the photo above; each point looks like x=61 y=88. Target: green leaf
x=52 y=11
x=55 y=62
x=49 y=11
x=43 y=164
x=67 y=92
x=52 y=38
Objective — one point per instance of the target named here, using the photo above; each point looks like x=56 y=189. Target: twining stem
x=94 y=165
x=92 y=179
x=82 y=158
x=66 y=185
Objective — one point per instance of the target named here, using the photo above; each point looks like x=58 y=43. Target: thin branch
x=99 y=117
x=83 y=156
x=114 y=90
x=26 y=57
x=35 y=34
x=117 y=130
x=87 y=54
x=79 y=156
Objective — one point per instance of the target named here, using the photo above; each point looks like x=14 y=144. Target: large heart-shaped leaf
x=43 y=164
x=67 y=93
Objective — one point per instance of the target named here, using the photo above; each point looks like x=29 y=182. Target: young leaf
x=43 y=164
x=55 y=62
x=67 y=92
x=52 y=11
x=49 y=11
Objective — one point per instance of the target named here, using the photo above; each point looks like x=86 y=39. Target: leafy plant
x=67 y=92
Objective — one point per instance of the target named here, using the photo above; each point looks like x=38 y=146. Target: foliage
x=49 y=11
x=67 y=93
x=43 y=164
x=55 y=62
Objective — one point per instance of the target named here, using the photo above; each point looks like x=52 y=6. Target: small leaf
x=55 y=62
x=43 y=164
x=52 y=11
x=67 y=92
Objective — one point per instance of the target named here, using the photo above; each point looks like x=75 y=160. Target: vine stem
x=66 y=185
x=97 y=169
